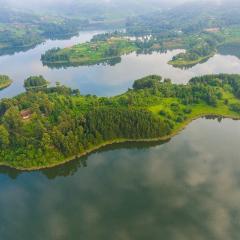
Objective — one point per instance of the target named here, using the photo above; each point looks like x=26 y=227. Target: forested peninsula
x=45 y=127
x=5 y=81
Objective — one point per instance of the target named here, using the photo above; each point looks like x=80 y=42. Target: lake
x=105 y=80
x=184 y=189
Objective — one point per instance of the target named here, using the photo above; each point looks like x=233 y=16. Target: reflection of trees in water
x=189 y=66
x=113 y=61
x=65 y=170
x=12 y=51
x=218 y=118
x=64 y=65
x=149 y=51
x=230 y=49
x=12 y=173
x=70 y=168
x=108 y=62
x=132 y=145
x=214 y=117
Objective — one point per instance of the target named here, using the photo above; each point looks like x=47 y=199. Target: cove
x=186 y=187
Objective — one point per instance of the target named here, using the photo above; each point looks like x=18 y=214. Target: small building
x=212 y=30
x=26 y=114
x=94 y=47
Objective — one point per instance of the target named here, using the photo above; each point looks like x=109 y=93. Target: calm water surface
x=185 y=189
x=104 y=80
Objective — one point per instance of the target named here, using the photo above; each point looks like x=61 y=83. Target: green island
x=199 y=31
x=189 y=59
x=201 y=47
x=45 y=127
x=35 y=83
x=89 y=53
x=5 y=81
x=111 y=46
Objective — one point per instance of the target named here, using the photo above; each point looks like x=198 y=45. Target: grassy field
x=198 y=110
x=90 y=52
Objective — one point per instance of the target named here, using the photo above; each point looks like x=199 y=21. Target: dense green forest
x=188 y=18
x=46 y=127
x=22 y=31
x=5 y=81
x=35 y=83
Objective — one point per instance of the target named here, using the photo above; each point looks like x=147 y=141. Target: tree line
x=63 y=123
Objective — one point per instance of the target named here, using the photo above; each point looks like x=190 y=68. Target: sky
x=44 y=4
x=32 y=3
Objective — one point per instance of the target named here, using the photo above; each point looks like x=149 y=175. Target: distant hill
x=93 y=8
x=189 y=17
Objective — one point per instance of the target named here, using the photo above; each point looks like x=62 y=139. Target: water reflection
x=12 y=51
x=109 y=79
x=70 y=168
x=186 y=189
x=232 y=49
x=189 y=66
x=62 y=65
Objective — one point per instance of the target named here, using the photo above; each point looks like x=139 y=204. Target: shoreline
x=80 y=63
x=174 y=133
x=179 y=64
x=4 y=86
x=90 y=62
